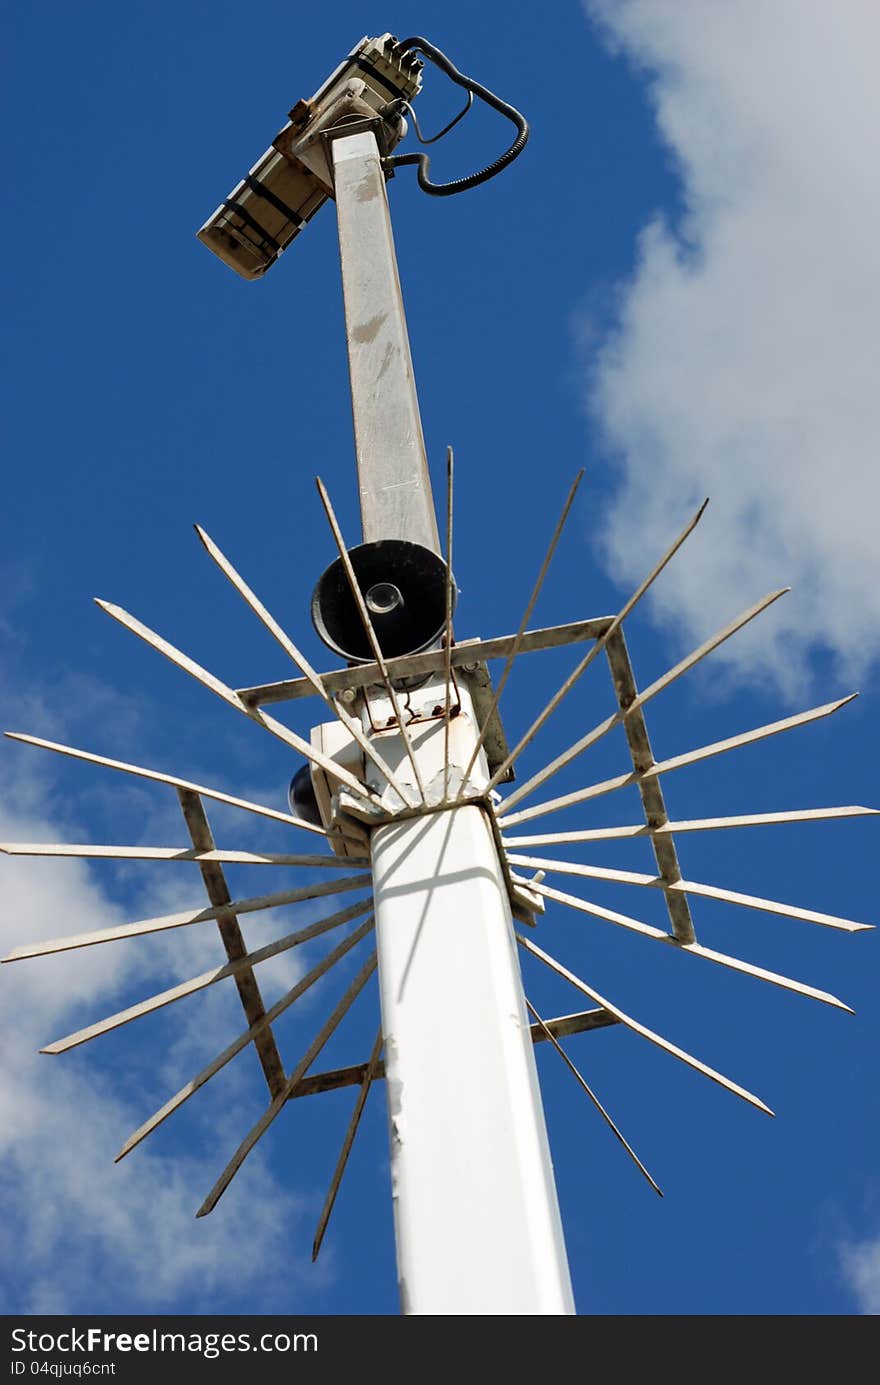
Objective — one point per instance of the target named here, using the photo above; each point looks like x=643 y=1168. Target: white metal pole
x=476 y=1216
x=395 y=488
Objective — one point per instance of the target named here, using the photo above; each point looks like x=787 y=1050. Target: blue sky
x=675 y=287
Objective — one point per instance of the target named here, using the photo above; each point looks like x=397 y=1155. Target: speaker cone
x=404 y=588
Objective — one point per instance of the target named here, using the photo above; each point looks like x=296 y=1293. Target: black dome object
x=301 y=797
x=404 y=587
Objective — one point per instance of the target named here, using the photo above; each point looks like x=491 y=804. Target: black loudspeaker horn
x=404 y=587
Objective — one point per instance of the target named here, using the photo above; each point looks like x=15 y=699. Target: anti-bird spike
x=405 y=778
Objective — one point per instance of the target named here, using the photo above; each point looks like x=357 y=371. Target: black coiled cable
x=423 y=162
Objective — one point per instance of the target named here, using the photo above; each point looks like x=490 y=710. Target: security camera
x=292 y=180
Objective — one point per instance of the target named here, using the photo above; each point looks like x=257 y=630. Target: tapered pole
x=476 y=1215
x=393 y=479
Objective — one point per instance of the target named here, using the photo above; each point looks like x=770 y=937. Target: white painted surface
x=475 y=1210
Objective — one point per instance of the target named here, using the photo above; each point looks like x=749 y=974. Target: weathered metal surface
x=521 y=630
x=159 y=778
x=277 y=1106
x=585 y=1087
x=231 y=698
x=641 y=829
x=599 y=911
x=186 y=917
x=465 y=653
x=629 y=699
x=524 y=903
x=393 y=477
x=760 y=733
x=562 y=1026
x=230 y=933
x=591 y=654
x=691 y=757
x=772 y=906
x=580 y=1023
x=336 y=1078
x=647 y=930
x=762 y=974
x=351 y=724
x=650 y=790
x=209 y=978
x=246 y=1038
x=175 y=853
x=488 y=719
x=642 y=1029
x=632 y=877
x=348 y=1141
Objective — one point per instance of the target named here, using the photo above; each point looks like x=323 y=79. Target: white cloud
x=861 y=1268
x=82 y=1234
x=744 y=362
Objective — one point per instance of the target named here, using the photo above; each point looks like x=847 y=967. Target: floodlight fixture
x=291 y=181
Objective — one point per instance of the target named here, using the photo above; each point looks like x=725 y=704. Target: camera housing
x=288 y=185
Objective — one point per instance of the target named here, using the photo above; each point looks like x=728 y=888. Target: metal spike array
x=605 y=636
